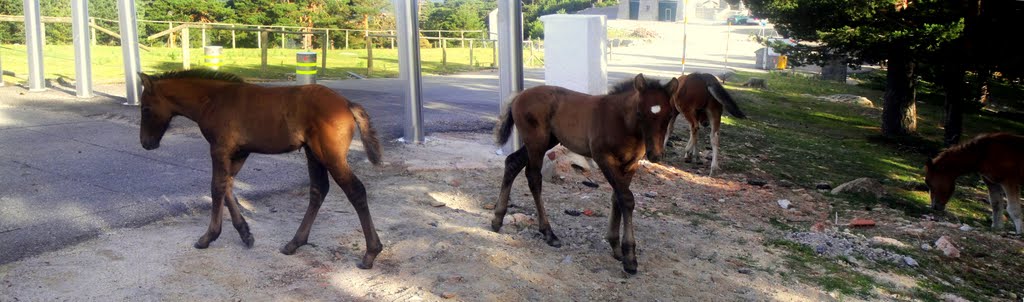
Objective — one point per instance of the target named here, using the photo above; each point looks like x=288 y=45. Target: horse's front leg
x=232 y=201
x=219 y=186
x=619 y=177
x=996 y=199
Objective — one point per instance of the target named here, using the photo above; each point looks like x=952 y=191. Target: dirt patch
x=690 y=243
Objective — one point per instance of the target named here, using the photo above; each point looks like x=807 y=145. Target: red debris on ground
x=860 y=222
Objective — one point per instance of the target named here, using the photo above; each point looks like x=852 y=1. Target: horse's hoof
x=496 y=226
x=631 y=271
x=289 y=249
x=687 y=160
x=617 y=256
x=364 y=265
x=554 y=242
x=248 y=240
x=201 y=245
x=629 y=267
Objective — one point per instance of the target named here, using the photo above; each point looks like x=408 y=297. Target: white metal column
x=129 y=50
x=83 y=59
x=34 y=46
x=510 y=62
x=409 y=67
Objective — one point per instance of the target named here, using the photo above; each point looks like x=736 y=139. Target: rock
x=784 y=203
x=451 y=278
x=848 y=99
x=947 y=297
x=822 y=186
x=589 y=213
x=947 y=247
x=744 y=270
x=862 y=185
x=448 y=295
x=560 y=163
x=651 y=194
x=819 y=227
x=879 y=240
x=756 y=83
x=521 y=218
x=861 y=222
x=925 y=246
x=589 y=184
x=820 y=249
x=966 y=228
x=273 y=210
x=573 y=212
x=567 y=259
x=756 y=182
x=436 y=204
x=489 y=206
x=909 y=261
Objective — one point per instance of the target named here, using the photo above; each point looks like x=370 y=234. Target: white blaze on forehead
x=655 y=109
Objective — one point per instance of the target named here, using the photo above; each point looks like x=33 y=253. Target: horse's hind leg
x=691 y=152
x=1012 y=191
x=318 y=188
x=535 y=179
x=232 y=202
x=716 y=121
x=356 y=193
x=996 y=199
x=514 y=163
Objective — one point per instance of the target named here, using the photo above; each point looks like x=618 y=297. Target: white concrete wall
x=574 y=52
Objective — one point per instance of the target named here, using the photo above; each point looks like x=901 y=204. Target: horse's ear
x=639 y=83
x=147 y=83
x=672 y=85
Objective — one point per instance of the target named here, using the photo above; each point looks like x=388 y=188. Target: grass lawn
x=107 y=66
x=792 y=136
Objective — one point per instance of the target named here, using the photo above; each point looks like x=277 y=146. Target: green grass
x=107 y=66
x=827 y=273
x=795 y=137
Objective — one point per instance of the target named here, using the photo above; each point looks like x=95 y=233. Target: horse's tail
x=366 y=132
x=722 y=96
x=503 y=129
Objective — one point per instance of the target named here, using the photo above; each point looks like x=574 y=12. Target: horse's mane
x=627 y=86
x=207 y=74
x=976 y=142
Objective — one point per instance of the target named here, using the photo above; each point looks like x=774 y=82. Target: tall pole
x=510 y=64
x=686 y=19
x=409 y=67
x=129 y=50
x=80 y=38
x=34 y=46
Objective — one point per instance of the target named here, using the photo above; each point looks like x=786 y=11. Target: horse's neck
x=960 y=161
x=192 y=99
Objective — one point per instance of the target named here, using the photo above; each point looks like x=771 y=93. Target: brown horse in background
x=616 y=130
x=238 y=118
x=700 y=98
x=998 y=157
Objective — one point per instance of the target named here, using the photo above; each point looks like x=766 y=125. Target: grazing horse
x=700 y=98
x=998 y=157
x=238 y=118
x=616 y=130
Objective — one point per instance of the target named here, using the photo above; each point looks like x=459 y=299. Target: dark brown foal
x=616 y=130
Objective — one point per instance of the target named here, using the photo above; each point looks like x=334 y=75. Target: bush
x=644 y=33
